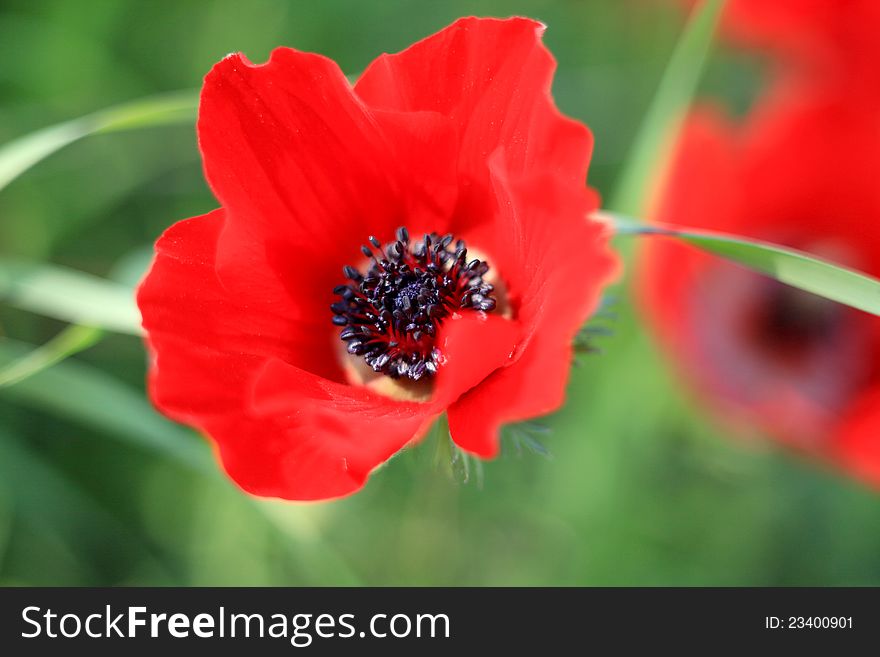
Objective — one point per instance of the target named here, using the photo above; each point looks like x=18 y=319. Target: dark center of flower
x=791 y=321
x=391 y=313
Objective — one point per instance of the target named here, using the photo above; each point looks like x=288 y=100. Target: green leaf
x=795 y=268
x=662 y=123
x=69 y=295
x=70 y=341
x=86 y=395
x=528 y=435
x=21 y=154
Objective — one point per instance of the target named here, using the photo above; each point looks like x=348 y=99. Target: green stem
x=796 y=268
x=21 y=154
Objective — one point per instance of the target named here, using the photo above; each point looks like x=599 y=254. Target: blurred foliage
x=641 y=487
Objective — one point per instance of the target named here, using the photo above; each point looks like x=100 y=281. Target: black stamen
x=392 y=312
x=351 y=273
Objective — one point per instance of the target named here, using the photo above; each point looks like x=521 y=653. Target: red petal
x=555 y=264
x=332 y=434
x=190 y=316
x=856 y=447
x=208 y=345
x=473 y=346
x=306 y=173
x=327 y=436
x=827 y=39
x=492 y=77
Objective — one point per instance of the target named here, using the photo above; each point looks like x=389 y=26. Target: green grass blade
x=69 y=295
x=21 y=154
x=666 y=113
x=790 y=266
x=70 y=341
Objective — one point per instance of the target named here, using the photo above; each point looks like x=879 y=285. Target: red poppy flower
x=806 y=370
x=308 y=326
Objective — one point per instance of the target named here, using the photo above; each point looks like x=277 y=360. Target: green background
x=642 y=487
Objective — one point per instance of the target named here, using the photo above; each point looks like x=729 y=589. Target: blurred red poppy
x=307 y=326
x=824 y=41
x=801 y=172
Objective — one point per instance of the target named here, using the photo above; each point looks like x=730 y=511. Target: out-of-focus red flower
x=826 y=41
x=457 y=135
x=801 y=172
